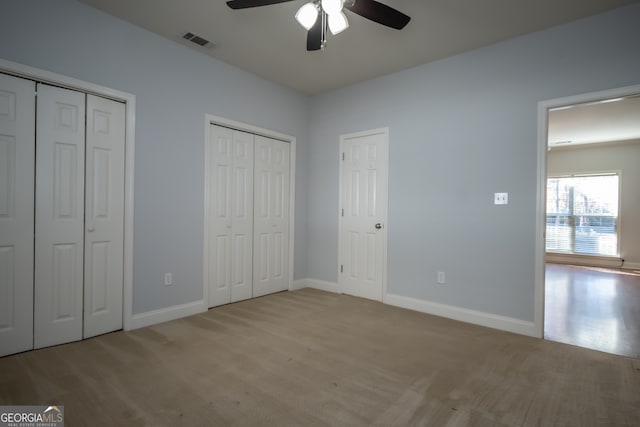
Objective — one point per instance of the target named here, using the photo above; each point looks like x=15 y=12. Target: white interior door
x=271 y=217
x=17 y=153
x=59 y=219
x=104 y=216
x=242 y=217
x=230 y=239
x=363 y=216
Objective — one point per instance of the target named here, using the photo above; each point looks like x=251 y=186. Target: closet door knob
x=91 y=229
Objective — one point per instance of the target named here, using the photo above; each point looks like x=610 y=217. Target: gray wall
x=597 y=158
x=174 y=88
x=460 y=130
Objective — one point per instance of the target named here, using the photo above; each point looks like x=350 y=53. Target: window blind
x=582 y=214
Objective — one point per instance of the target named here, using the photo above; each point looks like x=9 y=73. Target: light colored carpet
x=311 y=358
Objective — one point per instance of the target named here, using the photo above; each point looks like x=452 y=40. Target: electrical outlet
x=501 y=199
x=441 y=277
x=168 y=279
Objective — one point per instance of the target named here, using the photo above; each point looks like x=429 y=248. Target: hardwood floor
x=593 y=308
x=311 y=358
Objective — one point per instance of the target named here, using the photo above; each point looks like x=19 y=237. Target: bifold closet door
x=17 y=151
x=79 y=238
x=230 y=215
x=58 y=281
x=104 y=216
x=59 y=219
x=271 y=216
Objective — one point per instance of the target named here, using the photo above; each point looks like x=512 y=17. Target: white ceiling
x=611 y=120
x=269 y=42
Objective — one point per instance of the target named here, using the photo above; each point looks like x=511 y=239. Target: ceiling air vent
x=198 y=40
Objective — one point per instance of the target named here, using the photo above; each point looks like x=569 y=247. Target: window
x=582 y=214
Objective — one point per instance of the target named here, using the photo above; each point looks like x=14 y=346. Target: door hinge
x=342 y=156
x=341 y=268
x=342 y=212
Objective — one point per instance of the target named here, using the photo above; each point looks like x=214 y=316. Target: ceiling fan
x=317 y=16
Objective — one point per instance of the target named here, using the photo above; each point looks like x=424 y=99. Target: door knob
x=378 y=226
x=91 y=229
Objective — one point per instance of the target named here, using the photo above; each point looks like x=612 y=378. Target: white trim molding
x=590 y=261
x=299 y=284
x=631 y=266
x=489 y=320
x=316 y=284
x=167 y=314
x=613 y=263
x=44 y=76
x=324 y=285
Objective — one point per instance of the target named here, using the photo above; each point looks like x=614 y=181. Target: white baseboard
x=299 y=284
x=591 y=261
x=153 y=317
x=503 y=323
x=494 y=321
x=489 y=320
x=631 y=266
x=317 y=284
x=323 y=285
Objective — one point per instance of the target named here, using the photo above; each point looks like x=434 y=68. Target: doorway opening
x=587 y=255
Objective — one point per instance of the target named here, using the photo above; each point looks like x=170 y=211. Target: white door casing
x=17 y=154
x=230 y=231
x=363 y=213
x=541 y=185
x=104 y=216
x=59 y=219
x=271 y=216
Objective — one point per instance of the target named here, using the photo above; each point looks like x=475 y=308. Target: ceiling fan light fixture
x=338 y=23
x=332 y=7
x=307 y=15
x=321 y=16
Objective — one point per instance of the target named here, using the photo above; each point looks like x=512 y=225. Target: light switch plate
x=501 y=199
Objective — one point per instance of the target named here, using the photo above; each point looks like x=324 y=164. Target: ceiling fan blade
x=380 y=13
x=244 y=4
x=314 y=35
